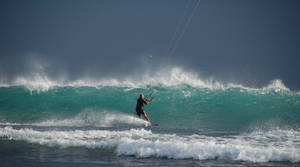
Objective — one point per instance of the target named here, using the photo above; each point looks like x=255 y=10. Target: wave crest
x=167 y=78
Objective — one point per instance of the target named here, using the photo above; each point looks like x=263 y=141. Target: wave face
x=185 y=105
x=198 y=119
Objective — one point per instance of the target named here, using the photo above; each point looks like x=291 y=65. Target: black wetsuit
x=140 y=106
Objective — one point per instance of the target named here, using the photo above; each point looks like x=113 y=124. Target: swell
x=176 y=107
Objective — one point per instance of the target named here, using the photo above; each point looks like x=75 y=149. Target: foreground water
x=131 y=146
x=200 y=125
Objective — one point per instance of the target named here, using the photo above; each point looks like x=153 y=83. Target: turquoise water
x=199 y=125
x=172 y=107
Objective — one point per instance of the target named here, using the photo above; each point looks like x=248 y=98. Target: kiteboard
x=154 y=125
x=149 y=125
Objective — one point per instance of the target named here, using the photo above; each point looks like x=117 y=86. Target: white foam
x=36 y=82
x=168 y=77
x=258 y=146
x=91 y=118
x=4 y=84
x=276 y=85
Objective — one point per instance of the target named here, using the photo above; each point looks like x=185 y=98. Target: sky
x=246 y=41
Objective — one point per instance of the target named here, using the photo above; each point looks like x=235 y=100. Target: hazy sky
x=247 y=41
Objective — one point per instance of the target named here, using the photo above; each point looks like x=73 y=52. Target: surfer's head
x=141 y=96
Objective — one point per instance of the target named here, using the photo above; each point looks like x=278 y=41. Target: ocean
x=201 y=123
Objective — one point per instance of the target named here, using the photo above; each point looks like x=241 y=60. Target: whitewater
x=202 y=121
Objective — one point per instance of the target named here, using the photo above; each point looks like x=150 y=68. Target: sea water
x=201 y=123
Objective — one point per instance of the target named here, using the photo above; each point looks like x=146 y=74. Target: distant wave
x=258 y=146
x=165 y=78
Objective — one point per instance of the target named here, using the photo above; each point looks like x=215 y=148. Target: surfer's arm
x=146 y=102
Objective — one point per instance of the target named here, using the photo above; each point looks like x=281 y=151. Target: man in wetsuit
x=140 y=107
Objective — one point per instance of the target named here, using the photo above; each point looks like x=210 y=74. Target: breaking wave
x=165 y=78
x=257 y=146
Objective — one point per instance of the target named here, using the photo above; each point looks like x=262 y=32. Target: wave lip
x=277 y=145
x=164 y=77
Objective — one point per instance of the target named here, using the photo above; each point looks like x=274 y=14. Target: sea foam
x=168 y=77
x=277 y=145
x=90 y=118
